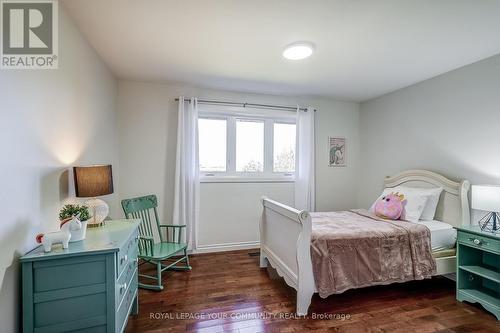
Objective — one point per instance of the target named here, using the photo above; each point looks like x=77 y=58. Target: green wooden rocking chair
x=170 y=244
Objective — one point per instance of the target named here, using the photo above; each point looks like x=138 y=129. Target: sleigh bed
x=286 y=235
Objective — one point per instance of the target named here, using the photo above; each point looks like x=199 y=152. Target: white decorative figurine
x=62 y=236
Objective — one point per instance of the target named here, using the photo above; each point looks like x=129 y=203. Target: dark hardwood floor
x=228 y=292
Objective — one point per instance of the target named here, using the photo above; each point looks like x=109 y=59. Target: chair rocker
x=160 y=254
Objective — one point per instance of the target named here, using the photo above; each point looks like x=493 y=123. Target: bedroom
x=390 y=86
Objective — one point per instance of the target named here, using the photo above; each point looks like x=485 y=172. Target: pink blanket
x=354 y=249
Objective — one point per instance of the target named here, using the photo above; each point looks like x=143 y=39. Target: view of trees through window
x=249 y=146
x=284 y=148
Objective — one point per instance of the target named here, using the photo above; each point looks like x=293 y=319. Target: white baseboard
x=227 y=247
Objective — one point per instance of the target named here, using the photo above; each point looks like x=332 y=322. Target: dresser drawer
x=67 y=273
x=479 y=242
x=69 y=310
x=95 y=329
x=127 y=253
x=123 y=309
x=124 y=280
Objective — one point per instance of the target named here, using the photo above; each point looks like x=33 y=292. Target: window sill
x=245 y=180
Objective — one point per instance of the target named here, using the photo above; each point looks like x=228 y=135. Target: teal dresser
x=478 y=271
x=89 y=287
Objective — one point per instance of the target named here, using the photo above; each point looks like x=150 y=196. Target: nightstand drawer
x=479 y=242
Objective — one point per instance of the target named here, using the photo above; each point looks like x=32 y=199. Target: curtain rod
x=244 y=104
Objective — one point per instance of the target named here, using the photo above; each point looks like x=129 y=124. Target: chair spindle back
x=145 y=209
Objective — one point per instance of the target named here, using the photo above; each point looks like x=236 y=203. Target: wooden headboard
x=453 y=206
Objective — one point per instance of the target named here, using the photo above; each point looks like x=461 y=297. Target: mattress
x=443 y=235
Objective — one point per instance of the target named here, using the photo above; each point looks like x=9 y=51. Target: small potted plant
x=82 y=211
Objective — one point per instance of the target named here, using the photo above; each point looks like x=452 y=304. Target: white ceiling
x=364 y=48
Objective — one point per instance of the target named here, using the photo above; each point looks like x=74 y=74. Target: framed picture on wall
x=336 y=152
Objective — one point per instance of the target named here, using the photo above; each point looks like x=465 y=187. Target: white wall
x=229 y=212
x=449 y=124
x=49 y=120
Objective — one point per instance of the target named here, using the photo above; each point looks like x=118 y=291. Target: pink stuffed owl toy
x=391 y=206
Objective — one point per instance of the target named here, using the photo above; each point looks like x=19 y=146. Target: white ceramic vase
x=80 y=234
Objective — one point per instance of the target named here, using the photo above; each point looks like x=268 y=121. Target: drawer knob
x=123 y=287
x=124 y=259
x=476 y=241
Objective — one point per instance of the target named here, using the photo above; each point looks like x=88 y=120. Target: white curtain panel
x=305 y=161
x=187 y=184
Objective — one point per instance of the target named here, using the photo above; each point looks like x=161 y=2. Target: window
x=249 y=146
x=284 y=148
x=246 y=146
x=212 y=144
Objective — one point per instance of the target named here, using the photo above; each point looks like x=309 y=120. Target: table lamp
x=91 y=182
x=487 y=197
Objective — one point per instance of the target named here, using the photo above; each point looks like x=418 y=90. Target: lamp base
x=99 y=210
x=490 y=222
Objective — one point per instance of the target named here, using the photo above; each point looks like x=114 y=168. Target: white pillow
x=433 y=195
x=415 y=203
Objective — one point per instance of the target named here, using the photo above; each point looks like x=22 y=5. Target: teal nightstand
x=89 y=287
x=478 y=268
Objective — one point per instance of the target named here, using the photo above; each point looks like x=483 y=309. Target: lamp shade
x=93 y=181
x=486 y=197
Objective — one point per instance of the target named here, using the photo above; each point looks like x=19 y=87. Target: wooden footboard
x=285 y=240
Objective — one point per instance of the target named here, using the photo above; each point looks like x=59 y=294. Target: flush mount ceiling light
x=298 y=51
